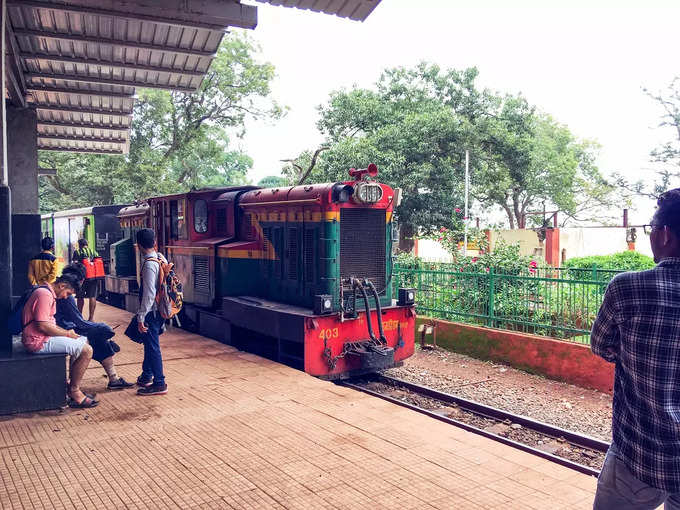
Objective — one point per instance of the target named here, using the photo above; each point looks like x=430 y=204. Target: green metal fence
x=560 y=303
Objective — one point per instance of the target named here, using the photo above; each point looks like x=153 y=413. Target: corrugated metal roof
x=82 y=60
x=79 y=61
x=357 y=10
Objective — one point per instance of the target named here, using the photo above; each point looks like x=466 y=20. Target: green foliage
x=272 y=181
x=178 y=141
x=451 y=238
x=505 y=291
x=623 y=261
x=417 y=123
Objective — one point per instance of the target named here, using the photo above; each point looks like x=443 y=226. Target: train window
x=201 y=216
x=178 y=226
x=173 y=219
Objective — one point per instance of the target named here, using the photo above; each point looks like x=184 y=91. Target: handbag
x=132 y=331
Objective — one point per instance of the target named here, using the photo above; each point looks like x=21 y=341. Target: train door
x=76 y=230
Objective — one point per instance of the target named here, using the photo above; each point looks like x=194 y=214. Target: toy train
x=98 y=224
x=300 y=274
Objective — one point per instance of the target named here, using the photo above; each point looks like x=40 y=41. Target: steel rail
x=495 y=437
x=498 y=414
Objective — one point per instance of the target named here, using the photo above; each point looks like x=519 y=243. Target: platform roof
x=357 y=10
x=79 y=62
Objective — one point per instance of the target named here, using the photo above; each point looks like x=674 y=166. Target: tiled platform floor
x=238 y=431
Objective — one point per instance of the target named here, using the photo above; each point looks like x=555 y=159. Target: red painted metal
x=396 y=322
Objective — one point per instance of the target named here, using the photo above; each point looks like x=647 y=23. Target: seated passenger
x=41 y=335
x=98 y=334
x=43 y=267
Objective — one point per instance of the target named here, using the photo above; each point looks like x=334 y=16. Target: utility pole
x=467 y=190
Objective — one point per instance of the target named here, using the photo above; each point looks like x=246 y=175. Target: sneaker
x=144 y=383
x=154 y=389
x=119 y=384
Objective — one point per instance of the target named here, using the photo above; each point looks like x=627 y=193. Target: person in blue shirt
x=98 y=334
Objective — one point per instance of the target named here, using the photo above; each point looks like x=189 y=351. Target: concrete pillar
x=5 y=269
x=552 y=246
x=22 y=161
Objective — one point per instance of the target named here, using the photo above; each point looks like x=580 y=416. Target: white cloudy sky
x=584 y=65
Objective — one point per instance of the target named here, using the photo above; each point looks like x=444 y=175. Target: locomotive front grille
x=363 y=245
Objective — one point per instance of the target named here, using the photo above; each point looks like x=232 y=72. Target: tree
x=417 y=123
x=298 y=170
x=666 y=157
x=415 y=127
x=273 y=181
x=529 y=161
x=178 y=141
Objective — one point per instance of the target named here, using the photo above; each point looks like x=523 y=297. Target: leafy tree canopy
x=178 y=141
x=272 y=181
x=417 y=123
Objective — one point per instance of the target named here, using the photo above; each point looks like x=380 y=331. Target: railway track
x=567 y=448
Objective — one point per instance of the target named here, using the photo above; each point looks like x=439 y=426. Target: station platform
x=237 y=431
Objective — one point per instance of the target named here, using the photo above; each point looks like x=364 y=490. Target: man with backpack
x=41 y=335
x=150 y=323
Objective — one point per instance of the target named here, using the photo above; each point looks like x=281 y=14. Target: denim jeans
x=152 y=366
x=618 y=489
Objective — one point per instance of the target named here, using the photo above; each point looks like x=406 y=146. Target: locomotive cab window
x=178 y=226
x=200 y=216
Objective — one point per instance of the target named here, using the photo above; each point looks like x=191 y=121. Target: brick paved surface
x=237 y=431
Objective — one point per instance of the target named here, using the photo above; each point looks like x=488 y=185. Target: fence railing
x=559 y=302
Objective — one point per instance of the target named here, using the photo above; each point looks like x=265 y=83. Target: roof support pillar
x=5 y=204
x=22 y=160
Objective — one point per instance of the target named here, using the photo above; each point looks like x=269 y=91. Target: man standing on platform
x=43 y=267
x=149 y=321
x=90 y=289
x=638 y=328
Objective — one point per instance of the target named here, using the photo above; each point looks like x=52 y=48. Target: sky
x=585 y=64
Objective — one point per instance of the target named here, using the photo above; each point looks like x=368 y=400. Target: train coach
x=300 y=274
x=98 y=224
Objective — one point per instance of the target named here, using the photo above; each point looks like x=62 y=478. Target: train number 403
x=327 y=334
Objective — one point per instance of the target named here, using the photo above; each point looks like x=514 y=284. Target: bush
x=623 y=261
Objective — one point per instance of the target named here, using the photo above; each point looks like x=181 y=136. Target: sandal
x=69 y=399
x=87 y=402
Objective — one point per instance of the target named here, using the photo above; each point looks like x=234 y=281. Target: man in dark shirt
x=638 y=328
x=98 y=334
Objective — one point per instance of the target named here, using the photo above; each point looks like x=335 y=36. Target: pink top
x=40 y=307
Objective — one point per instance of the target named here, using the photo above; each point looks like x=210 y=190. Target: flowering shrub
x=452 y=238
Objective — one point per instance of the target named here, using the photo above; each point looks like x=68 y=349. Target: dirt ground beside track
x=564 y=405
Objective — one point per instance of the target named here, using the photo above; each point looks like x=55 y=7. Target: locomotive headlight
x=368 y=193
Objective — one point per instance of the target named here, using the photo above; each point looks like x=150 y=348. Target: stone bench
x=31 y=382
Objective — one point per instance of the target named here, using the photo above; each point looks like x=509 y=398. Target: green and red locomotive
x=301 y=274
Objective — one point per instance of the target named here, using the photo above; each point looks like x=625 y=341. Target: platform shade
x=79 y=62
